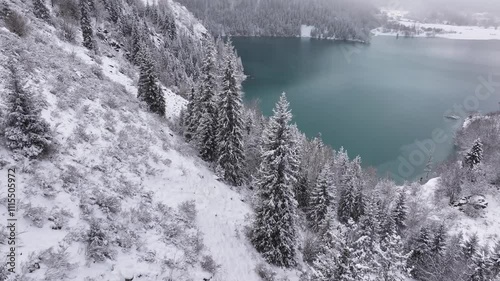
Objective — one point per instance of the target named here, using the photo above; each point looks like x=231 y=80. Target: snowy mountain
x=108 y=108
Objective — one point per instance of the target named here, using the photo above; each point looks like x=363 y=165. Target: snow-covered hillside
x=114 y=167
x=446 y=31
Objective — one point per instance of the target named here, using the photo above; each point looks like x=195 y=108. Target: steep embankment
x=114 y=197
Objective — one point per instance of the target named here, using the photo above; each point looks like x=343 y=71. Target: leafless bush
x=187 y=212
x=97 y=70
x=58 y=265
x=59 y=218
x=67 y=32
x=311 y=247
x=16 y=23
x=37 y=215
x=209 y=265
x=67 y=9
x=264 y=272
x=98 y=242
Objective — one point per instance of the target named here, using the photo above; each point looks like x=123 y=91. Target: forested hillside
x=339 y=19
x=120 y=178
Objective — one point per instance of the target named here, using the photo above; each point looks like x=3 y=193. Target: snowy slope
x=487 y=227
x=115 y=163
x=449 y=31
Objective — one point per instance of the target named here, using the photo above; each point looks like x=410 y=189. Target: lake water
x=385 y=101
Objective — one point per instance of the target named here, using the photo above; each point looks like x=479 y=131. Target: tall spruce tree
x=390 y=257
x=192 y=116
x=475 y=155
x=345 y=265
x=274 y=229
x=86 y=25
x=350 y=204
x=26 y=133
x=480 y=268
x=207 y=128
x=495 y=261
x=400 y=212
x=149 y=89
x=231 y=158
x=420 y=254
x=40 y=10
x=321 y=200
x=438 y=247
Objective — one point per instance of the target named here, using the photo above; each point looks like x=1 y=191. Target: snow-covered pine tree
x=390 y=257
x=495 y=261
x=475 y=155
x=345 y=265
x=274 y=229
x=321 y=200
x=428 y=167
x=192 y=116
x=231 y=158
x=40 y=10
x=148 y=87
x=86 y=25
x=438 y=247
x=470 y=247
x=420 y=254
x=480 y=267
x=350 y=204
x=207 y=128
x=26 y=133
x=400 y=212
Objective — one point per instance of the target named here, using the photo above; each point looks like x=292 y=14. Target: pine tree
x=192 y=116
x=273 y=232
x=480 y=267
x=40 y=10
x=390 y=257
x=428 y=167
x=419 y=257
x=230 y=130
x=26 y=133
x=438 y=247
x=149 y=89
x=475 y=155
x=400 y=212
x=206 y=131
x=321 y=200
x=350 y=204
x=495 y=261
x=345 y=266
x=87 y=32
x=470 y=247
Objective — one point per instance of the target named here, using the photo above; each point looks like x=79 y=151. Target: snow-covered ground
x=108 y=146
x=487 y=226
x=306 y=30
x=449 y=31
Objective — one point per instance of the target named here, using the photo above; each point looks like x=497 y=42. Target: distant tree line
x=340 y=19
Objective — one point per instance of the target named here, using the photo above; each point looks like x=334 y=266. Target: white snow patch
x=306 y=30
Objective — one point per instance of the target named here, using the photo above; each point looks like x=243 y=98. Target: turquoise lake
x=385 y=101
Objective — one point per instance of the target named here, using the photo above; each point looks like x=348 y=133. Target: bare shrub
x=58 y=265
x=59 y=218
x=16 y=23
x=67 y=9
x=37 y=215
x=187 y=212
x=108 y=203
x=264 y=272
x=98 y=242
x=97 y=71
x=311 y=247
x=209 y=265
x=67 y=32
